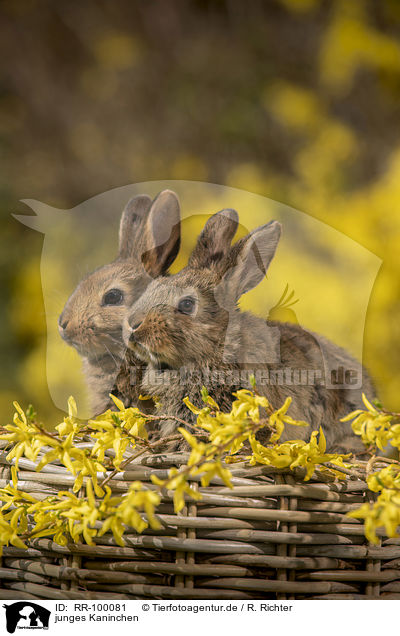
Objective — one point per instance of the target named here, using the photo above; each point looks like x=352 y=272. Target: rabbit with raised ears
x=91 y=321
x=190 y=331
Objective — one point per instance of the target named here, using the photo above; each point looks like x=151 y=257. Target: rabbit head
x=184 y=319
x=149 y=239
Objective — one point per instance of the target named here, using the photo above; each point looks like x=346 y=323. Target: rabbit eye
x=113 y=297
x=186 y=305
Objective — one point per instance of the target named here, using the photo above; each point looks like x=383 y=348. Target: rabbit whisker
x=116 y=361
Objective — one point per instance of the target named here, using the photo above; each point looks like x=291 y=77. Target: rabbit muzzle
x=149 y=336
x=66 y=329
x=89 y=339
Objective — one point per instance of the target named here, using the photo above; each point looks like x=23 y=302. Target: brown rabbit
x=149 y=239
x=190 y=331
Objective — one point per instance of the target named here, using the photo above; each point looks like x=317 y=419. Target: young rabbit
x=191 y=321
x=91 y=321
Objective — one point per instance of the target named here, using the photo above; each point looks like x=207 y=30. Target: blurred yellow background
x=294 y=100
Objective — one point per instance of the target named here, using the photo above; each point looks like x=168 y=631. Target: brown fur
x=149 y=239
x=218 y=336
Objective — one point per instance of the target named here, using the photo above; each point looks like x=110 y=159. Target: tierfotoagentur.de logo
x=26 y=615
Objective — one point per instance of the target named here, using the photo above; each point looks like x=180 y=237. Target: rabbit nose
x=62 y=328
x=63 y=324
x=134 y=325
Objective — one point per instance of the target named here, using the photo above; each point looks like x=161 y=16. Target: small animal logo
x=26 y=615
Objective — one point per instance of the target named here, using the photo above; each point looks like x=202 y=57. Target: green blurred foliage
x=296 y=100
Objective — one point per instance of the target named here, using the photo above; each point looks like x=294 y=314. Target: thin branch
x=345 y=471
x=376 y=460
x=133 y=457
x=155 y=418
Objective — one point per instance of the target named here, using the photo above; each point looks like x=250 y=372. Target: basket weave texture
x=273 y=536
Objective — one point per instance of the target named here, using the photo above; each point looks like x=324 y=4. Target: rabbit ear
x=132 y=217
x=250 y=258
x=215 y=240
x=162 y=233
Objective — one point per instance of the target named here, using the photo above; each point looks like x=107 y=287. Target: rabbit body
x=190 y=331
x=91 y=320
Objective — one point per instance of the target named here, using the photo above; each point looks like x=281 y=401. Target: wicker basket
x=273 y=536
